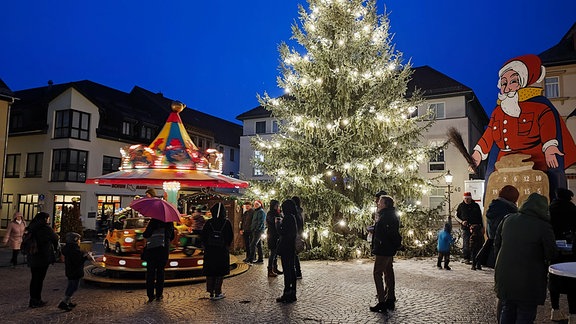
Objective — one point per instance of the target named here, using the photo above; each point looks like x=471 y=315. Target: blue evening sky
x=215 y=56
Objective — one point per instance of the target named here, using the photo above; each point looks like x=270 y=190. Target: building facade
x=61 y=135
x=453 y=105
x=560 y=85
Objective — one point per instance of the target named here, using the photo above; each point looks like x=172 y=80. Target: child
x=476 y=242
x=444 y=241
x=74 y=264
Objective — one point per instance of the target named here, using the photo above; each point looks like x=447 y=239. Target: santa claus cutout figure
x=524 y=121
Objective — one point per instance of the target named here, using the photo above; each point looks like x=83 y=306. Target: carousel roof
x=172 y=156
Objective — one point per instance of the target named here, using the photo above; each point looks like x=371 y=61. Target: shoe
x=557 y=315
x=36 y=303
x=298 y=276
x=468 y=262
x=159 y=298
x=258 y=261
x=478 y=267
x=65 y=307
x=286 y=299
x=379 y=308
x=447 y=268
x=72 y=305
x=217 y=296
x=246 y=260
x=271 y=273
x=473 y=268
x=390 y=304
x=439 y=267
x=278 y=272
x=150 y=299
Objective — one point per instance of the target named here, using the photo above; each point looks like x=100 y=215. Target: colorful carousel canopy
x=172 y=157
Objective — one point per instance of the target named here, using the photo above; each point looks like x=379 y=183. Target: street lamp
x=448 y=178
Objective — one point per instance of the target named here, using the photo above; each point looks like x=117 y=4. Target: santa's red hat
x=257 y=203
x=467 y=195
x=529 y=67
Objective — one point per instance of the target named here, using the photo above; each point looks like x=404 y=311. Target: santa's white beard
x=509 y=103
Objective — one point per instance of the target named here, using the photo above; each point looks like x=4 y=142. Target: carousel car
x=126 y=234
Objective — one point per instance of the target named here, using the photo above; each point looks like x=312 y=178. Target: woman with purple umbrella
x=158 y=235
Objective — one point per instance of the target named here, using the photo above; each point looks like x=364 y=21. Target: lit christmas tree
x=345 y=125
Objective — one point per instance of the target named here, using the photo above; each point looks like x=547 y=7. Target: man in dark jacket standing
x=385 y=243
x=245 y=229
x=468 y=213
x=525 y=245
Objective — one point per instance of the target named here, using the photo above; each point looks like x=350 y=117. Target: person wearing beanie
x=257 y=227
x=525 y=245
x=468 y=213
x=503 y=205
x=525 y=121
x=74 y=260
x=563 y=220
x=217 y=236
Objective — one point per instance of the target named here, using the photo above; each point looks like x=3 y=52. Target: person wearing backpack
x=217 y=236
x=13 y=237
x=158 y=235
x=46 y=243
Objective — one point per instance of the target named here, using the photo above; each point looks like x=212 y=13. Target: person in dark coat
x=525 y=245
x=47 y=243
x=272 y=237
x=500 y=207
x=245 y=229
x=158 y=235
x=300 y=223
x=288 y=228
x=216 y=254
x=385 y=244
x=74 y=260
x=476 y=242
x=563 y=219
x=468 y=213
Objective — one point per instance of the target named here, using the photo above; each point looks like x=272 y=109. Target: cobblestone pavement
x=330 y=292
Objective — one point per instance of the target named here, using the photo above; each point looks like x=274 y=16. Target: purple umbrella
x=156 y=208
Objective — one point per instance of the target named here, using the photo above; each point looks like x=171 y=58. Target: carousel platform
x=112 y=269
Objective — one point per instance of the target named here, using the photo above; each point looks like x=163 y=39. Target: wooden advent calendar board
x=512 y=170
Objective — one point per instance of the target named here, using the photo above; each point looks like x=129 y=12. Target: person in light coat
x=13 y=237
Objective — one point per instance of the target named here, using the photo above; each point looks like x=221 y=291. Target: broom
x=455 y=137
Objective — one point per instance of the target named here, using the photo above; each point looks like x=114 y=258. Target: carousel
x=172 y=161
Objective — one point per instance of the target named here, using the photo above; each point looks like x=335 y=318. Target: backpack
x=216 y=238
x=29 y=245
x=157 y=239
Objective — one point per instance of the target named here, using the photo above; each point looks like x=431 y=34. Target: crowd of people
x=520 y=245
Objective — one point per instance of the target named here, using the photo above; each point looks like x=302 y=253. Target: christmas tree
x=346 y=126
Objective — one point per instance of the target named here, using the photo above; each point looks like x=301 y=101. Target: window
x=261 y=127
x=127 y=128
x=232 y=152
x=6 y=211
x=110 y=164
x=34 y=165
x=72 y=124
x=552 y=87
x=258 y=157
x=12 y=166
x=69 y=165
x=437 y=197
x=437 y=161
x=28 y=205
x=275 y=126
x=146 y=132
x=16 y=121
x=436 y=111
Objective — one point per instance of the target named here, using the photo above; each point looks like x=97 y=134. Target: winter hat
x=72 y=237
x=257 y=203
x=380 y=193
x=529 y=68
x=467 y=194
x=509 y=193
